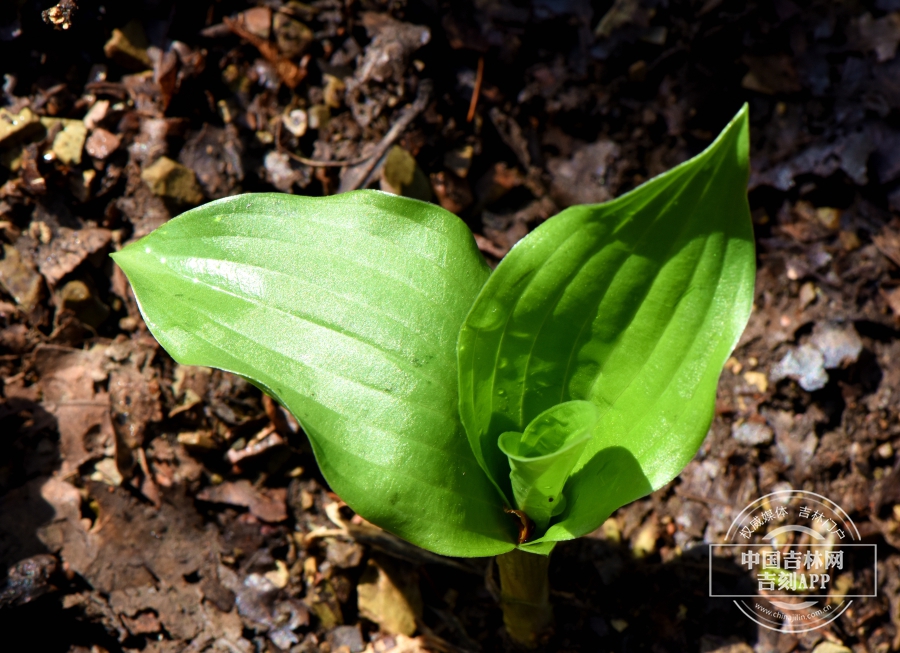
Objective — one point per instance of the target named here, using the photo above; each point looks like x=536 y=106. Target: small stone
x=170 y=179
x=279 y=576
x=128 y=47
x=18 y=125
x=752 y=434
x=279 y=171
x=804 y=364
x=96 y=113
x=807 y=294
x=401 y=175
x=758 y=380
x=102 y=143
x=307 y=500
x=333 y=92
x=839 y=344
x=69 y=142
x=319 y=115
x=292 y=36
x=829 y=216
x=296 y=122
x=349 y=636
x=20 y=279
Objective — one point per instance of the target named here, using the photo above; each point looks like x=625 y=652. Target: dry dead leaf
x=266 y=504
x=888 y=243
x=135 y=402
x=388 y=594
x=67 y=378
x=68 y=249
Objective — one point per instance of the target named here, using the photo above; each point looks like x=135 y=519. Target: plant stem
x=525 y=596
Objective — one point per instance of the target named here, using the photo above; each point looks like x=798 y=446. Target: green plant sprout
x=473 y=413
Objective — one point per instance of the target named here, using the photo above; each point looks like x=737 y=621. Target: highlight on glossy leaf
x=633 y=306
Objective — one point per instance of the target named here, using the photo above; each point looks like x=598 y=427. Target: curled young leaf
x=541 y=458
x=634 y=306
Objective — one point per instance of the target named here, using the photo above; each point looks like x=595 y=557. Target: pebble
x=69 y=142
x=12 y=124
x=296 y=122
x=752 y=434
x=839 y=344
x=102 y=143
x=168 y=178
x=804 y=364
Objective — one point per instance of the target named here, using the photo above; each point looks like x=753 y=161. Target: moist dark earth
x=148 y=506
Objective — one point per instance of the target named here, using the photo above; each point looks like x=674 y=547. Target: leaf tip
x=124 y=256
x=734 y=140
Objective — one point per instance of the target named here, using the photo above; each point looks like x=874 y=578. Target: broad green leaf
x=541 y=458
x=633 y=305
x=347 y=310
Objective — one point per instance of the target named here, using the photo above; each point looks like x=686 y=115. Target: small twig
x=265 y=439
x=479 y=77
x=358 y=176
x=325 y=532
x=289 y=72
x=315 y=163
